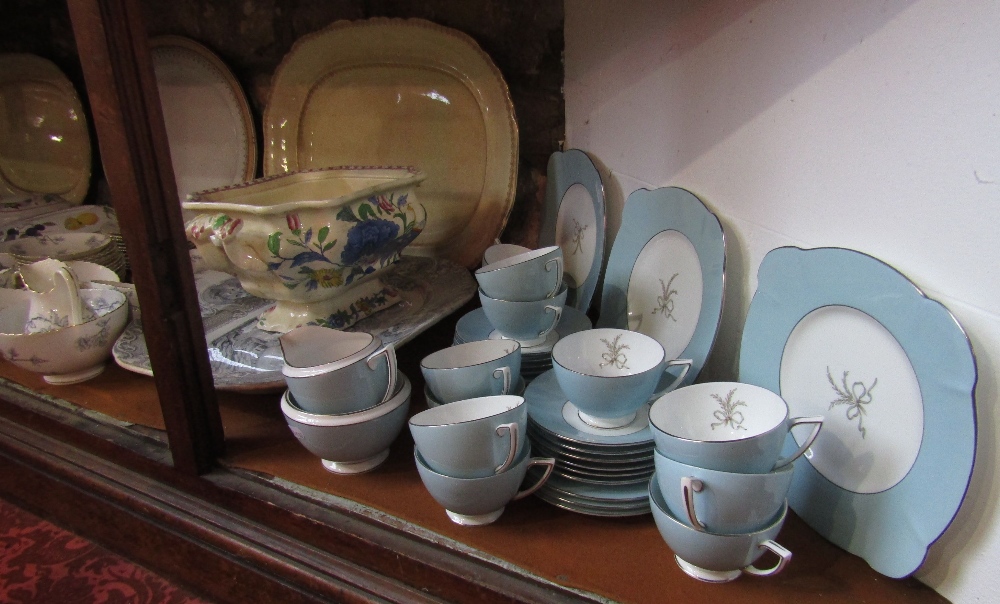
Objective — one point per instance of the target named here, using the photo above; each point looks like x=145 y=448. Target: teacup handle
x=783 y=557
x=549 y=463
x=390 y=358
x=686 y=364
x=505 y=374
x=558 y=261
x=689 y=486
x=557 y=310
x=67 y=289
x=817 y=421
x=515 y=436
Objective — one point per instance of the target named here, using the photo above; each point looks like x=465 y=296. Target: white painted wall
x=852 y=123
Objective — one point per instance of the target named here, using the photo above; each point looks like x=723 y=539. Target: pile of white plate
x=535 y=360
x=600 y=472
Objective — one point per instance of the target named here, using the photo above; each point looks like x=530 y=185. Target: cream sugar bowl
x=314 y=241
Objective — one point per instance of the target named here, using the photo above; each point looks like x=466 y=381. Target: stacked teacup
x=346 y=402
x=522 y=292
x=472 y=369
x=719 y=493
x=472 y=456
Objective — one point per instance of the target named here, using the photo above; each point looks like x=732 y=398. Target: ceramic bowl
x=330 y=371
x=726 y=426
x=531 y=275
x=717 y=557
x=472 y=438
x=350 y=443
x=721 y=502
x=527 y=322
x=608 y=374
x=308 y=239
x=63 y=355
x=473 y=369
x=478 y=501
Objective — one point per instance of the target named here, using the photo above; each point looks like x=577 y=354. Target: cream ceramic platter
x=209 y=126
x=44 y=141
x=403 y=92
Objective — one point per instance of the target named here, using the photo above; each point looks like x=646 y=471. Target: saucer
x=537 y=346
x=475 y=326
x=546 y=404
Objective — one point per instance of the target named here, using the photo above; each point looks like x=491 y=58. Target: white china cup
x=330 y=371
x=473 y=369
x=499 y=251
x=727 y=426
x=608 y=374
x=479 y=501
x=531 y=275
x=721 y=502
x=718 y=557
x=472 y=438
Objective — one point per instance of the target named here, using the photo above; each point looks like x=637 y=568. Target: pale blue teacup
x=718 y=557
x=471 y=438
x=532 y=275
x=609 y=374
x=528 y=322
x=727 y=426
x=478 y=501
x=473 y=369
x=721 y=502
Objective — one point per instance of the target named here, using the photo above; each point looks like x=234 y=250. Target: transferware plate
x=409 y=92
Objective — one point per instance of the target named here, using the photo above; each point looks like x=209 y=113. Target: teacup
x=718 y=557
x=608 y=374
x=531 y=275
x=499 y=251
x=473 y=369
x=330 y=371
x=525 y=321
x=726 y=426
x=350 y=443
x=478 y=501
x=721 y=502
x=473 y=438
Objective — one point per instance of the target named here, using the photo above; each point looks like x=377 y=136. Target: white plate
x=665 y=274
x=841 y=334
x=44 y=140
x=386 y=92
x=247 y=359
x=574 y=219
x=209 y=125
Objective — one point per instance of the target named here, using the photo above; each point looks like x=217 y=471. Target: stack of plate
x=535 y=360
x=90 y=247
x=600 y=472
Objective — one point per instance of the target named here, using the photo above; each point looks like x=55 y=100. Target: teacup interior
x=469 y=354
x=312 y=345
x=718 y=411
x=466 y=411
x=608 y=352
x=516 y=259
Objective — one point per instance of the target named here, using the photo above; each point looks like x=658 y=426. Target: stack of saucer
x=97 y=248
x=535 y=359
x=598 y=471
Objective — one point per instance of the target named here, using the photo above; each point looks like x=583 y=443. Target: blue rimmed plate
x=841 y=334
x=574 y=219
x=665 y=274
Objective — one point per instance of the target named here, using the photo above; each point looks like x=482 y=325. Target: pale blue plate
x=841 y=332
x=665 y=274
x=573 y=218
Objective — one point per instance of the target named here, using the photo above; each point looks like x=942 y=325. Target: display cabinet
x=210 y=489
